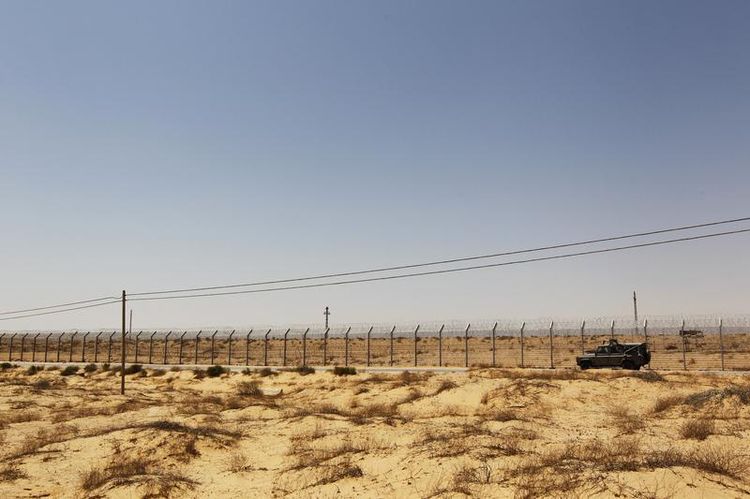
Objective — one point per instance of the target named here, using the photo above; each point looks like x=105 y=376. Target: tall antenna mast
x=635 y=312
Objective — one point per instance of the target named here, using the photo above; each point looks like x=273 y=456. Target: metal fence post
x=33 y=348
x=213 y=344
x=283 y=362
x=265 y=348
x=369 y=332
x=645 y=330
x=682 y=333
x=229 y=353
x=96 y=346
x=197 y=341
x=23 y=342
x=109 y=347
x=721 y=342
x=325 y=346
x=612 y=330
x=166 y=348
x=416 y=339
x=440 y=346
x=83 y=347
x=2 y=335
x=247 y=348
x=466 y=346
x=494 y=328
x=46 y=346
x=346 y=346
x=392 y=330
x=70 y=353
x=551 y=346
x=523 y=326
x=137 y=337
x=304 y=347
x=583 y=340
x=151 y=347
x=182 y=341
x=10 y=347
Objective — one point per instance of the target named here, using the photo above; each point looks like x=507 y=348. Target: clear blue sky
x=166 y=144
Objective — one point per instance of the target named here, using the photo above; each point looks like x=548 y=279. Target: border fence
x=675 y=343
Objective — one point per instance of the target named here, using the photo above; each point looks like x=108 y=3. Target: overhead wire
x=58 y=311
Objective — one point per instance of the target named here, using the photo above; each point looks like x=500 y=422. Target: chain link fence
x=675 y=343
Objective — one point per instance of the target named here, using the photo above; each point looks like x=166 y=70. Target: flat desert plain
x=483 y=433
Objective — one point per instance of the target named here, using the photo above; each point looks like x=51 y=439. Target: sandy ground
x=485 y=433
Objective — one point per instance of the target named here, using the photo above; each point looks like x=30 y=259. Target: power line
x=445 y=271
x=443 y=262
x=12 y=312
x=59 y=311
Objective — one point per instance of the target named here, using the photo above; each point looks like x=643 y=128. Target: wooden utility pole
x=122 y=352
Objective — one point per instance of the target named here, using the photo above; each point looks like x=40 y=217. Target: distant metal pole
x=327 y=313
x=46 y=346
x=635 y=313
x=583 y=340
x=59 y=345
x=369 y=332
x=2 y=335
x=392 y=330
x=721 y=341
x=197 y=340
x=440 y=346
x=182 y=341
x=70 y=352
x=325 y=346
x=109 y=347
x=122 y=353
x=213 y=344
x=265 y=348
x=416 y=338
x=247 y=348
x=523 y=326
x=612 y=330
x=83 y=348
x=645 y=330
x=166 y=347
x=551 y=346
x=10 y=347
x=466 y=346
x=283 y=362
x=346 y=346
x=494 y=328
x=33 y=348
x=151 y=347
x=96 y=347
x=229 y=354
x=304 y=347
x=682 y=333
x=23 y=342
x=137 y=337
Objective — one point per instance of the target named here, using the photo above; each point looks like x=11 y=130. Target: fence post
x=612 y=330
x=247 y=348
x=721 y=342
x=551 y=346
x=645 y=330
x=151 y=347
x=96 y=346
x=213 y=344
x=440 y=346
x=33 y=348
x=109 y=347
x=46 y=346
x=137 y=337
x=23 y=342
x=166 y=348
x=392 y=330
x=283 y=362
x=229 y=353
x=265 y=348
x=346 y=346
x=10 y=347
x=369 y=332
x=70 y=353
x=416 y=338
x=304 y=347
x=523 y=326
x=2 y=335
x=583 y=340
x=83 y=347
x=682 y=333
x=325 y=346
x=179 y=356
x=466 y=346
x=494 y=328
x=197 y=340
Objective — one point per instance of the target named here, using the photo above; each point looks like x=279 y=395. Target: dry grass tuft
x=10 y=472
x=665 y=403
x=697 y=429
x=237 y=462
x=625 y=421
x=249 y=389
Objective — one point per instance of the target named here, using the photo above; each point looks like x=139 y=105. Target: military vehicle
x=616 y=354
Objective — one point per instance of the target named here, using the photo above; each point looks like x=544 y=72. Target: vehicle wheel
x=628 y=364
x=585 y=365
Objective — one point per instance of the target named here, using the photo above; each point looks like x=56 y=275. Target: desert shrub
x=105 y=367
x=215 y=371
x=158 y=372
x=133 y=369
x=651 y=377
x=267 y=371
x=175 y=369
x=247 y=371
x=237 y=462
x=664 y=403
x=11 y=472
x=625 y=421
x=5 y=366
x=304 y=370
x=697 y=429
x=90 y=368
x=199 y=373
x=42 y=384
x=249 y=389
x=445 y=385
x=32 y=370
x=344 y=371
x=69 y=371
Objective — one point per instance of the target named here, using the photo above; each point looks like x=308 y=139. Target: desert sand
x=483 y=433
